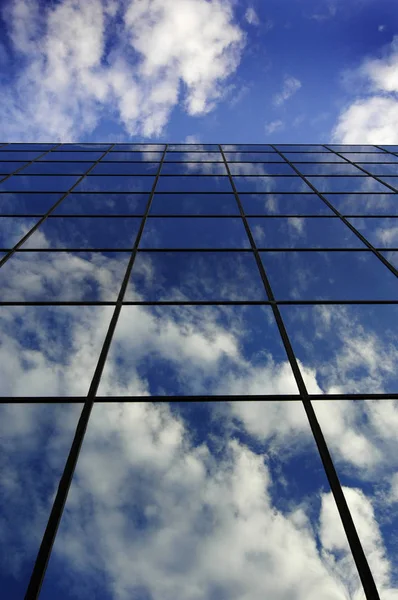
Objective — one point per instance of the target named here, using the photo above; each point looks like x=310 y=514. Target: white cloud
x=372 y=118
x=274 y=126
x=251 y=16
x=134 y=62
x=381 y=28
x=290 y=86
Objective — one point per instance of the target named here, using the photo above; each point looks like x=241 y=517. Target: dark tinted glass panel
x=301 y=232
x=102 y=204
x=192 y=156
x=85 y=232
x=73 y=156
x=195 y=276
x=392 y=257
x=132 y=156
x=84 y=147
x=119 y=183
x=353 y=148
x=194 y=233
x=380 y=232
x=393 y=181
x=381 y=168
x=18 y=156
x=347 y=184
x=62 y=276
x=9 y=167
x=247 y=148
x=13 y=229
x=139 y=147
x=364 y=204
x=390 y=148
x=190 y=168
x=50 y=168
x=261 y=169
x=302 y=148
x=335 y=275
x=38 y=183
x=29 y=147
x=328 y=169
x=194 y=204
x=371 y=158
x=126 y=168
x=270 y=184
x=324 y=157
x=28 y=204
x=253 y=157
x=193 y=147
x=206 y=183
x=280 y=204
x=51 y=350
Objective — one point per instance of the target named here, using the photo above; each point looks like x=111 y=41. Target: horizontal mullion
x=198 y=302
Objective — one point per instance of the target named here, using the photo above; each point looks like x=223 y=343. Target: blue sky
x=226 y=70
x=225 y=501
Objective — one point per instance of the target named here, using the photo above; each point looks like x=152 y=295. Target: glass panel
x=102 y=204
x=126 y=168
x=270 y=184
x=381 y=168
x=209 y=276
x=364 y=449
x=18 y=156
x=50 y=350
x=9 y=167
x=253 y=157
x=84 y=147
x=353 y=148
x=139 y=147
x=33 y=147
x=193 y=147
x=379 y=232
x=191 y=168
x=38 y=183
x=328 y=169
x=392 y=257
x=205 y=183
x=393 y=181
x=261 y=169
x=334 y=275
x=49 y=168
x=13 y=229
x=301 y=232
x=62 y=276
x=345 y=349
x=233 y=336
x=302 y=148
x=364 y=204
x=371 y=158
x=324 y=157
x=34 y=445
x=289 y=204
x=390 y=148
x=193 y=157
x=194 y=204
x=85 y=232
x=200 y=232
x=247 y=148
x=133 y=156
x=117 y=183
x=74 y=156
x=27 y=204
x=177 y=512
x=347 y=184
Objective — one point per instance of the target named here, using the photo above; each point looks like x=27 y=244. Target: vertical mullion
x=358 y=553
x=54 y=520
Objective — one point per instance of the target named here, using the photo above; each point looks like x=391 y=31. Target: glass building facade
x=199 y=371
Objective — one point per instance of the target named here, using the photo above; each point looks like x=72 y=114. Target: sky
x=226 y=500
x=183 y=70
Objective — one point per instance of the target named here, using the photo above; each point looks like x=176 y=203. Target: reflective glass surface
x=284 y=204
x=13 y=229
x=116 y=183
x=270 y=184
x=193 y=183
x=27 y=204
x=381 y=232
x=102 y=204
x=364 y=204
x=194 y=204
x=38 y=183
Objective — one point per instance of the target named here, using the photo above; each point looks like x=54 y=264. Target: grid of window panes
x=271 y=236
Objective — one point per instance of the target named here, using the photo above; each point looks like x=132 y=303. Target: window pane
x=18 y=156
x=27 y=204
x=347 y=184
x=132 y=156
x=346 y=349
x=393 y=181
x=191 y=168
x=62 y=276
x=261 y=169
x=192 y=156
x=323 y=157
x=126 y=168
x=380 y=232
x=38 y=183
x=193 y=147
x=371 y=158
x=247 y=148
x=270 y=184
x=364 y=204
x=335 y=275
x=209 y=276
x=84 y=147
x=119 y=183
x=194 y=204
x=381 y=168
x=390 y=148
x=51 y=350
x=9 y=167
x=353 y=148
x=139 y=147
x=328 y=169
x=254 y=157
x=32 y=147
x=34 y=445
x=50 y=168
x=288 y=204
x=302 y=148
x=74 y=156
x=301 y=232
x=85 y=232
x=103 y=204
x=206 y=183
x=13 y=229
x=200 y=232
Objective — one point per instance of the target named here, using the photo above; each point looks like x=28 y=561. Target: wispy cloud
x=251 y=16
x=134 y=61
x=290 y=86
x=274 y=126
